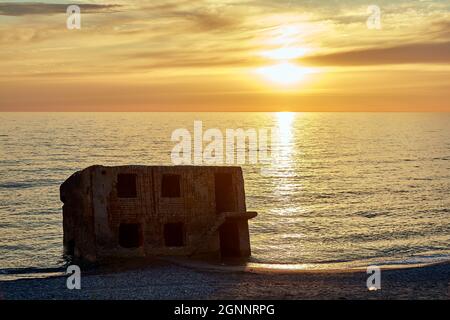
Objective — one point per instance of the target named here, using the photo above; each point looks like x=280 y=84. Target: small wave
x=325 y=196
x=28 y=184
x=335 y=266
x=442 y=158
x=367 y=214
x=30 y=270
x=399 y=191
x=15 y=185
x=435 y=210
x=417 y=260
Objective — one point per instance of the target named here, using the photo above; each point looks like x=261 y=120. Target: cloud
x=409 y=53
x=213 y=61
x=202 y=16
x=209 y=21
x=36 y=8
x=440 y=29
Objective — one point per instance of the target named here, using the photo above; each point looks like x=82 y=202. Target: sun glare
x=284 y=73
x=284 y=70
x=285 y=53
x=285 y=120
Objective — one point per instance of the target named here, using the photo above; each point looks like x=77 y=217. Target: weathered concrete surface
x=101 y=202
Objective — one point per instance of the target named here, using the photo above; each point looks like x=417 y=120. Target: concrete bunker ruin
x=139 y=211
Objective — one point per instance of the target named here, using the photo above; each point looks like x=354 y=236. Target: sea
x=349 y=189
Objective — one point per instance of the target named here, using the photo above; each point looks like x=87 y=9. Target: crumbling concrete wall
x=78 y=219
x=93 y=210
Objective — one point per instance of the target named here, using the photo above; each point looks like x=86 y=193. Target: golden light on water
x=284 y=144
x=283 y=169
x=285 y=122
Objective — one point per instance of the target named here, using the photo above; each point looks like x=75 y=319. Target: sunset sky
x=225 y=55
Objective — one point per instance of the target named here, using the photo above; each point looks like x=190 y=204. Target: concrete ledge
x=240 y=215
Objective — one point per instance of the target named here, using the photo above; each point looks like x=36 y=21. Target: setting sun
x=284 y=73
x=216 y=55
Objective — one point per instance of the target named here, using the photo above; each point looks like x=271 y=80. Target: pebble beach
x=165 y=280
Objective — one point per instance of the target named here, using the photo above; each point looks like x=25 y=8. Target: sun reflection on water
x=283 y=167
x=285 y=122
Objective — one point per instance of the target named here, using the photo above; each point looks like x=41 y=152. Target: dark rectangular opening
x=229 y=240
x=174 y=234
x=69 y=248
x=126 y=185
x=224 y=191
x=130 y=235
x=170 y=186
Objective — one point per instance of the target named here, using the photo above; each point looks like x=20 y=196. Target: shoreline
x=211 y=266
x=168 y=280
x=274 y=268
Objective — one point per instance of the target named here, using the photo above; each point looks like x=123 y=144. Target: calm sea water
x=352 y=187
